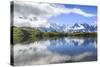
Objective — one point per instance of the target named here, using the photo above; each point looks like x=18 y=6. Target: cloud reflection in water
x=55 y=51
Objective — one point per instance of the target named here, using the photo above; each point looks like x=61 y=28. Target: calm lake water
x=50 y=51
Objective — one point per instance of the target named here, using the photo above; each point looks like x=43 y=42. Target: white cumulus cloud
x=43 y=11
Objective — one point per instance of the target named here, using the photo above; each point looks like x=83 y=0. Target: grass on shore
x=20 y=34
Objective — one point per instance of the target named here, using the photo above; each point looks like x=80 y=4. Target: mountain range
x=44 y=26
x=77 y=27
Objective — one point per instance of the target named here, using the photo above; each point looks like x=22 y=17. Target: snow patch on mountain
x=43 y=25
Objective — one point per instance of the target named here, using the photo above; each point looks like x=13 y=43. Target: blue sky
x=72 y=18
x=53 y=13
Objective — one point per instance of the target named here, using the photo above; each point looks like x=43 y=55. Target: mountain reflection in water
x=69 y=49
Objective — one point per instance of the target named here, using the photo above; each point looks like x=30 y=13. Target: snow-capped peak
x=43 y=25
x=77 y=26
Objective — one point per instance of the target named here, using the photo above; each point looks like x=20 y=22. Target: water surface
x=61 y=50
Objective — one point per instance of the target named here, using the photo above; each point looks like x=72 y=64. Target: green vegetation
x=21 y=34
x=17 y=35
x=85 y=34
x=52 y=34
